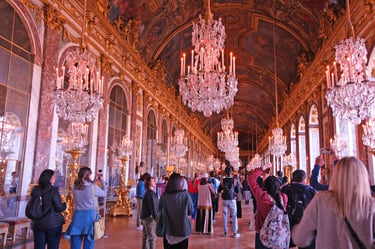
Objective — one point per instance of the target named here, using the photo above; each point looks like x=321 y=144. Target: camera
x=324 y=151
x=100 y=174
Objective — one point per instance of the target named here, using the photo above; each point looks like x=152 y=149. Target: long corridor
x=122 y=234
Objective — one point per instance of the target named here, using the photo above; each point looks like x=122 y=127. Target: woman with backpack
x=265 y=200
x=343 y=216
x=85 y=191
x=47 y=229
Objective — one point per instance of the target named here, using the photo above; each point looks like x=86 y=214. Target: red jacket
x=193 y=189
x=263 y=202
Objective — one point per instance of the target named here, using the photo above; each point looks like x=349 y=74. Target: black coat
x=51 y=202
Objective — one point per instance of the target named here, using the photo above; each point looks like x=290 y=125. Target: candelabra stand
x=69 y=200
x=3 y=166
x=123 y=204
x=288 y=170
x=169 y=169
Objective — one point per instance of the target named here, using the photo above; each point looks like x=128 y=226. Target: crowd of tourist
x=340 y=215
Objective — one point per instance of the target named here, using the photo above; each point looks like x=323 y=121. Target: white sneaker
x=140 y=228
x=236 y=235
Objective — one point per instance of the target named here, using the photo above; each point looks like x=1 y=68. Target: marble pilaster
x=46 y=102
x=133 y=133
x=101 y=152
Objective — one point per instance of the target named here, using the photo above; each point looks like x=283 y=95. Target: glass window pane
x=113 y=95
x=20 y=72
x=4 y=65
x=118 y=119
x=21 y=37
x=110 y=136
x=111 y=116
x=123 y=122
x=6 y=13
x=3 y=94
x=17 y=103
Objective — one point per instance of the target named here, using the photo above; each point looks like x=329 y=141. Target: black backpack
x=296 y=205
x=34 y=208
x=228 y=189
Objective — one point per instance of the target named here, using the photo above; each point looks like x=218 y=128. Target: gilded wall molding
x=33 y=7
x=53 y=18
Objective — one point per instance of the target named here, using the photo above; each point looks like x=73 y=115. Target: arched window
x=347 y=130
x=117 y=128
x=16 y=66
x=293 y=142
x=151 y=142
x=314 y=141
x=162 y=153
x=302 y=143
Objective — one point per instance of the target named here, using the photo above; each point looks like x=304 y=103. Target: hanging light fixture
x=81 y=99
x=179 y=143
x=206 y=86
x=350 y=94
x=338 y=144
x=368 y=136
x=290 y=160
x=227 y=139
x=277 y=143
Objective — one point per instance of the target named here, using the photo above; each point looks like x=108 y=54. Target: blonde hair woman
x=349 y=197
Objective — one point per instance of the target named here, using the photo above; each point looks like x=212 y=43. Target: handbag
x=354 y=235
x=161 y=223
x=99 y=225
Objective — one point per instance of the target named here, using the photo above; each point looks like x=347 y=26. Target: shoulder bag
x=99 y=225
x=354 y=235
x=161 y=223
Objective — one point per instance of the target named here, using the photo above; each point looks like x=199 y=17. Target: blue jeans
x=50 y=237
x=194 y=198
x=76 y=242
x=231 y=205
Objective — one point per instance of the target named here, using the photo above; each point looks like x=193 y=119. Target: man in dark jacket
x=299 y=196
x=148 y=213
x=229 y=200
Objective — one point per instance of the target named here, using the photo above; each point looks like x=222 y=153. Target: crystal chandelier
x=81 y=99
x=290 y=160
x=179 y=143
x=233 y=155
x=76 y=138
x=206 y=86
x=368 y=136
x=217 y=163
x=338 y=144
x=227 y=139
x=256 y=161
x=7 y=134
x=125 y=147
x=350 y=94
x=277 y=143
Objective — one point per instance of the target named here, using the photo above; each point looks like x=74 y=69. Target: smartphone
x=324 y=151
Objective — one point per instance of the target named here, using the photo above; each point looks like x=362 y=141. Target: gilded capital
x=33 y=7
x=53 y=18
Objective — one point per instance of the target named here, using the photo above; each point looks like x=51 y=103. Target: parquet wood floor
x=123 y=235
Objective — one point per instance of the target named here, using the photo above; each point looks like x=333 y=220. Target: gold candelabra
x=288 y=170
x=123 y=204
x=170 y=169
x=3 y=166
x=69 y=200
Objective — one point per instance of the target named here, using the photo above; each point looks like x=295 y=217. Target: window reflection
x=117 y=123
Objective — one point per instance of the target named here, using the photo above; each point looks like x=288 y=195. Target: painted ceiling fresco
x=165 y=33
